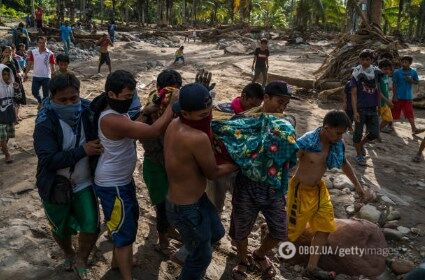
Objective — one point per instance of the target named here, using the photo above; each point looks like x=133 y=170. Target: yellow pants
x=385 y=113
x=309 y=205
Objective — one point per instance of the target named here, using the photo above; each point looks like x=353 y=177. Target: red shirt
x=237 y=105
x=39 y=14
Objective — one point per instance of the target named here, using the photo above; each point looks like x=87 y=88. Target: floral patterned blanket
x=264 y=147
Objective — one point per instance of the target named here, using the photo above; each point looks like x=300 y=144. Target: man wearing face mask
x=190 y=161
x=114 y=184
x=65 y=143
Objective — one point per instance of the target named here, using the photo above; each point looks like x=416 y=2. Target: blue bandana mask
x=70 y=114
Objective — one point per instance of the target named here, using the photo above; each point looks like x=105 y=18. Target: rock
x=341 y=181
x=335 y=191
x=328 y=182
x=298 y=268
x=392 y=234
x=387 y=275
x=342 y=277
x=393 y=215
x=21 y=188
x=391 y=224
x=350 y=233
x=422 y=251
x=420 y=229
x=236 y=48
x=403 y=230
x=388 y=200
x=350 y=210
x=346 y=191
x=400 y=266
x=370 y=213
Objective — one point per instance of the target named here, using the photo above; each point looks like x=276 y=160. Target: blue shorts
x=121 y=211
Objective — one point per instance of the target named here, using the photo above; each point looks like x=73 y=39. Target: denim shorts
x=200 y=227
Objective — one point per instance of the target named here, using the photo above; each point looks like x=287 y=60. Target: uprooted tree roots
x=338 y=65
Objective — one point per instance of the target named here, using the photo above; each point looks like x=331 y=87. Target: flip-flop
x=268 y=271
x=82 y=273
x=68 y=264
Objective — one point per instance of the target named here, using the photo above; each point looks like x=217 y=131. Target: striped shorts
x=250 y=198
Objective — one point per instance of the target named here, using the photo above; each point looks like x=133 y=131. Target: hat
x=278 y=88
x=193 y=97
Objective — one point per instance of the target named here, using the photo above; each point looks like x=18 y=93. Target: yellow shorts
x=385 y=113
x=309 y=205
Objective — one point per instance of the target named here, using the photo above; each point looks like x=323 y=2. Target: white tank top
x=118 y=160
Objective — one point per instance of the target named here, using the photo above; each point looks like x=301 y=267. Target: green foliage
x=10 y=12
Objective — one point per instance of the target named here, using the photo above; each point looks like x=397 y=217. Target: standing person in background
x=43 y=61
x=260 y=65
x=39 y=18
x=104 y=43
x=20 y=35
x=111 y=30
x=66 y=36
x=13 y=61
x=8 y=89
x=404 y=79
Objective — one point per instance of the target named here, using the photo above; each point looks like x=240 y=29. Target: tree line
x=394 y=17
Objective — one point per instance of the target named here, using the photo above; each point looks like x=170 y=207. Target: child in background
x=386 y=86
x=260 y=65
x=62 y=60
x=8 y=89
x=403 y=79
x=365 y=101
x=252 y=96
x=179 y=55
x=104 y=43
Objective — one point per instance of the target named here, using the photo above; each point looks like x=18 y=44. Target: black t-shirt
x=261 y=56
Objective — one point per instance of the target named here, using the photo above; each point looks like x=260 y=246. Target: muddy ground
x=27 y=250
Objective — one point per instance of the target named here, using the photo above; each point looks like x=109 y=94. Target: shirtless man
x=104 y=43
x=190 y=161
x=319 y=149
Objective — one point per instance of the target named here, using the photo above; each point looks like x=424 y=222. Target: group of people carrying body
x=87 y=153
x=91 y=149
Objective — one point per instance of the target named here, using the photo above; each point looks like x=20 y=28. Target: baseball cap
x=277 y=88
x=193 y=97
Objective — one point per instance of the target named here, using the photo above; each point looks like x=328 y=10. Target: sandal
x=68 y=264
x=320 y=274
x=418 y=158
x=239 y=272
x=360 y=160
x=265 y=265
x=82 y=273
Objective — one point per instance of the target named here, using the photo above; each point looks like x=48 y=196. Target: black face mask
x=120 y=106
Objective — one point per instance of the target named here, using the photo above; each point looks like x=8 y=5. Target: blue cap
x=193 y=97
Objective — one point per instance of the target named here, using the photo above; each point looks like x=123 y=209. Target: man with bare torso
x=190 y=161
x=308 y=197
x=104 y=42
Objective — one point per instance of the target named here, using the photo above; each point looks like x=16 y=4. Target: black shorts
x=104 y=58
x=249 y=198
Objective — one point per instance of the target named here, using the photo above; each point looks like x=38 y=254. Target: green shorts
x=7 y=131
x=156 y=180
x=81 y=215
